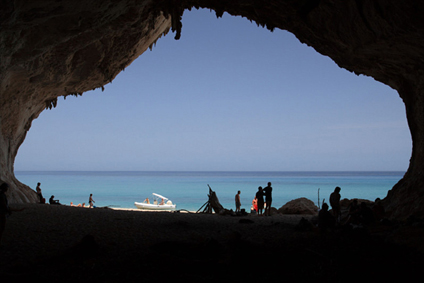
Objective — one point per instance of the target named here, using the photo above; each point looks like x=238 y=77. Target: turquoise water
x=189 y=190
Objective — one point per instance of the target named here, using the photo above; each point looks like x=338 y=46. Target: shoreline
x=147 y=210
x=189 y=190
x=110 y=245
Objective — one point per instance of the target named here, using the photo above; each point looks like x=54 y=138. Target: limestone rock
x=345 y=203
x=52 y=48
x=299 y=206
x=58 y=48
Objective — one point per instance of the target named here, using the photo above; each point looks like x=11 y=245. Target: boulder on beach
x=345 y=204
x=299 y=206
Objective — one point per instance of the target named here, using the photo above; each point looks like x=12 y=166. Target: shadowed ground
x=104 y=245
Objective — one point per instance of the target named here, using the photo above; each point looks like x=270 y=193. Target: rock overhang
x=59 y=48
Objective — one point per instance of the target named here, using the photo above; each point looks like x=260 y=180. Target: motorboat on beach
x=159 y=203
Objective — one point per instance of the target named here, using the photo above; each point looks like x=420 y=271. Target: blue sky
x=228 y=95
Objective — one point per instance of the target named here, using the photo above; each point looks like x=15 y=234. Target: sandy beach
x=110 y=245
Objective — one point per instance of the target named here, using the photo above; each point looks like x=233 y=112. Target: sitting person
x=366 y=215
x=147 y=201
x=325 y=219
x=354 y=213
x=52 y=201
x=162 y=202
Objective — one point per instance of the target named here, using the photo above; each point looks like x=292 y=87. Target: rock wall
x=58 y=48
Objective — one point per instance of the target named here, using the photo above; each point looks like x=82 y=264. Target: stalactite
x=52 y=103
x=177 y=25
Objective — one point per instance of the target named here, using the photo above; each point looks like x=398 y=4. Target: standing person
x=268 y=199
x=255 y=204
x=238 y=203
x=90 y=201
x=260 y=200
x=4 y=208
x=335 y=203
x=39 y=194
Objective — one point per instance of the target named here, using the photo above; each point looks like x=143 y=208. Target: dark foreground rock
x=102 y=245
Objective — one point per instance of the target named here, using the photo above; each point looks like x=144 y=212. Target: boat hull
x=148 y=206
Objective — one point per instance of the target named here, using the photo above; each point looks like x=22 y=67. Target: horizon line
x=264 y=171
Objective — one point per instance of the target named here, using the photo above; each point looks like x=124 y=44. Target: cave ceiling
x=59 y=48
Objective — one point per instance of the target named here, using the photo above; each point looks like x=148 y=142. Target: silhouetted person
x=53 y=201
x=268 y=199
x=335 y=203
x=238 y=203
x=4 y=208
x=91 y=201
x=39 y=194
x=325 y=219
x=260 y=199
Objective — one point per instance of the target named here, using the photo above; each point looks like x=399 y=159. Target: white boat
x=159 y=203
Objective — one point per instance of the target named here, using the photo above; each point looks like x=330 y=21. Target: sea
x=189 y=190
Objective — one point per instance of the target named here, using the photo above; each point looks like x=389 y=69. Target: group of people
x=259 y=205
x=56 y=202
x=6 y=211
x=357 y=213
x=162 y=202
x=90 y=202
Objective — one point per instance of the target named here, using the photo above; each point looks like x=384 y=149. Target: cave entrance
x=227 y=96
